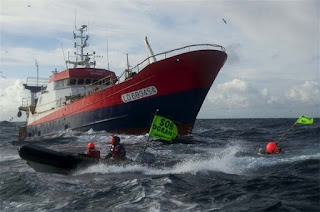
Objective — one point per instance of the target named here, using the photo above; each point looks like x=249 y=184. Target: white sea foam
x=223 y=160
x=9 y=157
x=300 y=157
x=107 y=169
x=200 y=130
x=91 y=131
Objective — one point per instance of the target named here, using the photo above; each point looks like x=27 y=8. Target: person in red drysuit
x=92 y=152
x=117 y=151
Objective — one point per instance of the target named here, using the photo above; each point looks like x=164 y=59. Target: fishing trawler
x=84 y=97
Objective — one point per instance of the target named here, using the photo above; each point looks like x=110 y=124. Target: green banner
x=163 y=129
x=304 y=120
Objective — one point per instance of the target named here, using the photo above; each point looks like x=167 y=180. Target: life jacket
x=118 y=151
x=93 y=153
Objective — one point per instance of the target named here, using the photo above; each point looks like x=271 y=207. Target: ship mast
x=37 y=65
x=84 y=59
x=152 y=58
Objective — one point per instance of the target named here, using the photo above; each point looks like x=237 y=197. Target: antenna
x=127 y=71
x=128 y=62
x=107 y=48
x=75 y=19
x=37 y=65
x=64 y=58
x=81 y=59
x=88 y=29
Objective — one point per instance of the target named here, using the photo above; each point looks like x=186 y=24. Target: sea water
x=214 y=169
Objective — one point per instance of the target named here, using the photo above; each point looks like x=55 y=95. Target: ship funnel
x=149 y=50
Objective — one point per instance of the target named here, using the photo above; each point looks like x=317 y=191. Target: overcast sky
x=273 y=47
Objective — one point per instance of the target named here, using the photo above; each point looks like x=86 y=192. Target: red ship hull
x=177 y=86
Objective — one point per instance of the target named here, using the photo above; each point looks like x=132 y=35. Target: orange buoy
x=271 y=147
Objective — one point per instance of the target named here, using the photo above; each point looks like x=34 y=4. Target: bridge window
x=80 y=81
x=88 y=81
x=73 y=81
x=66 y=82
x=58 y=84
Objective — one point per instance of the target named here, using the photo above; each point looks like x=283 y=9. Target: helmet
x=115 y=140
x=271 y=147
x=91 y=145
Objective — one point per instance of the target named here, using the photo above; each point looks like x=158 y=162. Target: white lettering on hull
x=139 y=94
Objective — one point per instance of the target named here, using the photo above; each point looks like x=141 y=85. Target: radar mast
x=82 y=59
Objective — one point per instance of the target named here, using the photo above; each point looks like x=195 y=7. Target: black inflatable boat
x=46 y=160
x=42 y=159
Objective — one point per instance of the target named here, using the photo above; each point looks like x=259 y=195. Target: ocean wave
x=9 y=157
x=225 y=161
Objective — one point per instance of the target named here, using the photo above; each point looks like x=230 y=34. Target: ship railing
x=25 y=106
x=173 y=52
x=25 y=102
x=87 y=90
x=96 y=86
x=41 y=82
x=60 y=102
x=102 y=83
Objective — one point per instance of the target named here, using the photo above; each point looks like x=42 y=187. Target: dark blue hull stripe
x=181 y=107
